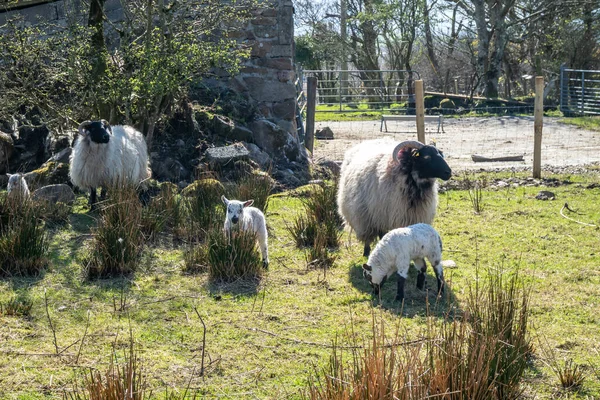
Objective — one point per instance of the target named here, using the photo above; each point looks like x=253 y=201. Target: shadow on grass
x=245 y=287
x=416 y=302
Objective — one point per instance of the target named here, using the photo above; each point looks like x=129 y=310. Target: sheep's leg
x=439 y=274
x=264 y=246
x=400 y=293
x=264 y=250
x=102 y=193
x=367 y=250
x=93 y=199
x=422 y=267
x=377 y=287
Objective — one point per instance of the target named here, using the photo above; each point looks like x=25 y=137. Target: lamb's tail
x=448 y=264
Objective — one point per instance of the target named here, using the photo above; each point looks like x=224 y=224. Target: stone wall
x=268 y=76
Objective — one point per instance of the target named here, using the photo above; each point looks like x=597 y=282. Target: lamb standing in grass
x=242 y=216
x=17 y=187
x=395 y=251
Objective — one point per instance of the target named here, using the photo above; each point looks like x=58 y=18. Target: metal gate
x=362 y=91
x=579 y=92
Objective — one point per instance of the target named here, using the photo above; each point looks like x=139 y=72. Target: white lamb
x=395 y=251
x=105 y=155
x=241 y=215
x=17 y=188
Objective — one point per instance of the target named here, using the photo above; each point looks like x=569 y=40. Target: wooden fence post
x=537 y=126
x=420 y=106
x=311 y=99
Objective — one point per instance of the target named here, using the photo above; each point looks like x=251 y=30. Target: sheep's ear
x=224 y=200
x=248 y=203
x=367 y=267
x=106 y=125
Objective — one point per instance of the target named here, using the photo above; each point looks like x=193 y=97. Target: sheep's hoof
x=265 y=264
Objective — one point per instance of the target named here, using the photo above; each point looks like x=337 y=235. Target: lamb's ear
x=367 y=267
x=106 y=125
x=224 y=200
x=248 y=203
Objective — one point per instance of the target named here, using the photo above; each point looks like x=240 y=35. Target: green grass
x=264 y=338
x=361 y=112
x=589 y=123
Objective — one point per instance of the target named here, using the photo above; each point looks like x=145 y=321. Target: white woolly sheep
x=395 y=251
x=17 y=188
x=105 y=155
x=240 y=214
x=382 y=189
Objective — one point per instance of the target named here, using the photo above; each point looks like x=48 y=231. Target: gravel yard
x=562 y=144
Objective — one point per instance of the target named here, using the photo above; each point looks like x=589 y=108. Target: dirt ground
x=562 y=144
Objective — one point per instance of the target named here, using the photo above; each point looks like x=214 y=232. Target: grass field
x=264 y=339
x=362 y=112
x=589 y=123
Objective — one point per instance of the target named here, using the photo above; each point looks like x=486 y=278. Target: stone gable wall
x=267 y=78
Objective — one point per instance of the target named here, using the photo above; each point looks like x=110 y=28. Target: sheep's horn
x=408 y=143
x=83 y=125
x=106 y=125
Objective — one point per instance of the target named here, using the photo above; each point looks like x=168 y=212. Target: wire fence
x=579 y=92
x=462 y=138
x=502 y=136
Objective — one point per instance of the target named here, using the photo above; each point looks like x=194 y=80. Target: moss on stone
x=447 y=103
x=51 y=173
x=204 y=187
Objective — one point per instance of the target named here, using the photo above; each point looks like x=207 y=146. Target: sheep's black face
x=367 y=274
x=428 y=162
x=99 y=131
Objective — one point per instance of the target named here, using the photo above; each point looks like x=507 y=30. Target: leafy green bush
x=138 y=81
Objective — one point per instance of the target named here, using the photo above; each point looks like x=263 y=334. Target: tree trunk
x=98 y=56
x=429 y=44
x=483 y=37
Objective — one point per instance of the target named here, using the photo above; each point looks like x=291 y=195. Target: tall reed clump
x=118 y=382
x=256 y=185
x=481 y=355
x=16 y=306
x=162 y=212
x=320 y=217
x=202 y=200
x=233 y=258
x=475 y=190
x=23 y=239
x=118 y=240
x=570 y=374
x=375 y=370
